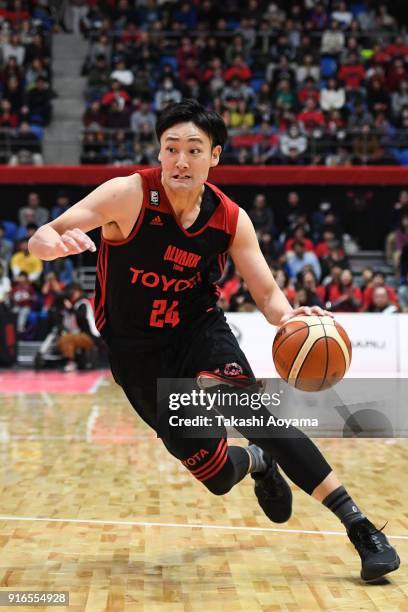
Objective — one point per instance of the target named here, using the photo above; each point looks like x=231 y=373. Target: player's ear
x=215 y=155
x=159 y=156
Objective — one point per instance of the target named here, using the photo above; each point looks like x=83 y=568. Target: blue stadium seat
x=328 y=67
x=38 y=130
x=169 y=59
x=256 y=83
x=10 y=229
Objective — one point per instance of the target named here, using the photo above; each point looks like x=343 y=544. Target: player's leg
x=305 y=465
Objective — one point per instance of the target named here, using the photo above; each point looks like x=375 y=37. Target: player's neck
x=184 y=202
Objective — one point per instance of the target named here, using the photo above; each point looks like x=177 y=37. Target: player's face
x=186 y=156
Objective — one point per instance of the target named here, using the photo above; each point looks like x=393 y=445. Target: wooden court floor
x=91 y=503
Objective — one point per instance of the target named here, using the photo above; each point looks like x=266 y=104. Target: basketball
x=312 y=353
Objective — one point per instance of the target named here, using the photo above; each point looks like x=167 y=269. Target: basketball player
x=166 y=233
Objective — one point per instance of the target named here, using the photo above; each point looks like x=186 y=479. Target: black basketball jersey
x=160 y=279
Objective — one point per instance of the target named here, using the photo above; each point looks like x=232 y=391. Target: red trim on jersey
x=100 y=320
x=225 y=217
x=241 y=380
x=201 y=471
x=138 y=221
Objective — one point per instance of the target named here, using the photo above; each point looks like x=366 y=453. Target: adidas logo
x=156 y=221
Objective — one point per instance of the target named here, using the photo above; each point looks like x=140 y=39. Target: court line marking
x=180 y=525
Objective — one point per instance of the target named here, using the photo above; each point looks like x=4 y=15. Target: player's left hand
x=305 y=311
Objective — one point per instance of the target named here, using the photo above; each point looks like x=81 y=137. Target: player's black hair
x=190 y=110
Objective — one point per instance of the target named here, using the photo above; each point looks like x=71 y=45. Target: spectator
x=94 y=116
x=299 y=235
x=378 y=99
x=117 y=116
x=122 y=74
x=377 y=281
x=62 y=268
x=310 y=118
x=6 y=247
x=5 y=286
x=23 y=261
x=242 y=301
x=165 y=94
x=401 y=240
x=333 y=40
x=399 y=99
x=284 y=283
x=23 y=297
x=61 y=205
x=322 y=249
x=141 y=116
x=307 y=69
x=238 y=69
x=342 y=15
x=332 y=96
x=39 y=102
x=118 y=94
x=15 y=49
x=352 y=73
x=346 y=296
x=26 y=147
x=33 y=212
x=299 y=258
x=381 y=302
x=261 y=216
x=292 y=142
x=50 y=290
x=84 y=334
x=316 y=293
x=359 y=117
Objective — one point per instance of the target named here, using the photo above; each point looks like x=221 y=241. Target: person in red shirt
x=299 y=233
x=117 y=93
x=322 y=249
x=396 y=74
x=345 y=297
x=308 y=90
x=311 y=117
x=378 y=281
x=398 y=47
x=352 y=73
x=238 y=69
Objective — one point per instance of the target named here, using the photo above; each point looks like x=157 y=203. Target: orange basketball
x=311 y=353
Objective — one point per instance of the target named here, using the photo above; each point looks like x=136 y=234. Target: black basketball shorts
x=208 y=349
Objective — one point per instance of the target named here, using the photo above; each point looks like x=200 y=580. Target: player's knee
x=219 y=486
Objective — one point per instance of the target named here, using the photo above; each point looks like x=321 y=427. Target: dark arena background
x=95 y=514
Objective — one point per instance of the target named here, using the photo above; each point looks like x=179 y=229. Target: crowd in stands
x=309 y=255
x=306 y=248
x=25 y=80
x=297 y=82
x=29 y=286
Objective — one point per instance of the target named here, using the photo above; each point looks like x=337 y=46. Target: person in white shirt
x=333 y=40
x=5 y=286
x=342 y=15
x=332 y=97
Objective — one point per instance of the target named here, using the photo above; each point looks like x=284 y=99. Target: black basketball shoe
x=273 y=493
x=377 y=555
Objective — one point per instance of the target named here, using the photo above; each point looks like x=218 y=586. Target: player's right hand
x=73 y=242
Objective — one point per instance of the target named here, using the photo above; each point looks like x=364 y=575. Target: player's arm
x=251 y=263
x=112 y=201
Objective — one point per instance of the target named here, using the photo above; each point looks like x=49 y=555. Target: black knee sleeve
x=234 y=470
